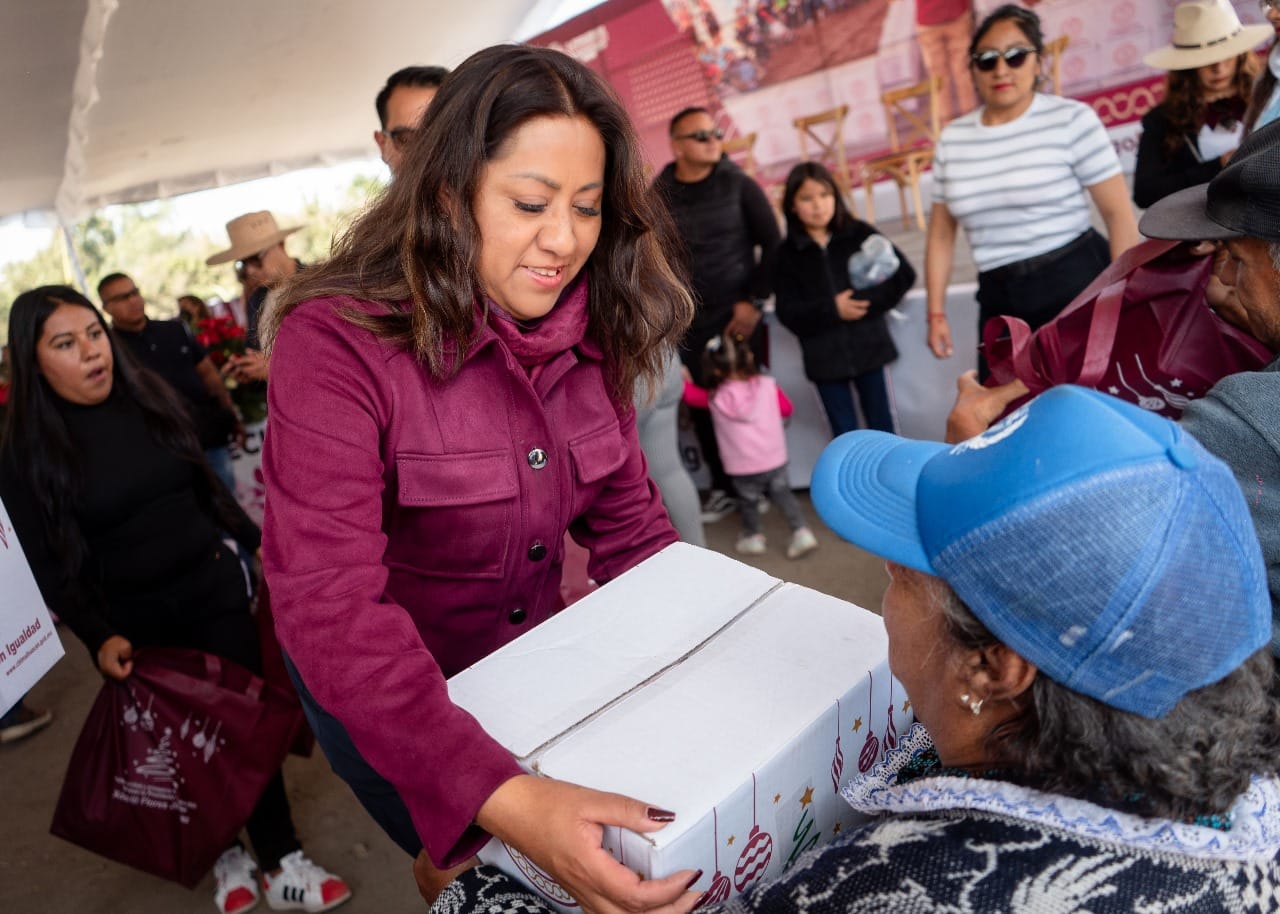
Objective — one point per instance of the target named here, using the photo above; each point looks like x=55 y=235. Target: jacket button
x=537 y=552
x=516 y=616
x=537 y=458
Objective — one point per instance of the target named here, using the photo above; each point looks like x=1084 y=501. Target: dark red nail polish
x=706 y=896
x=660 y=815
x=696 y=877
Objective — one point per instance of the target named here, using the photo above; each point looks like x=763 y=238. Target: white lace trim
x=1254 y=835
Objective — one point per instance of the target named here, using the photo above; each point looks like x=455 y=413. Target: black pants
x=1037 y=291
x=691 y=355
x=376 y=794
x=231 y=634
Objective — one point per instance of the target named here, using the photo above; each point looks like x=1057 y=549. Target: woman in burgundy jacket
x=450 y=393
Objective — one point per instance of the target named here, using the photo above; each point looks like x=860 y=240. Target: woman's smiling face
x=538 y=211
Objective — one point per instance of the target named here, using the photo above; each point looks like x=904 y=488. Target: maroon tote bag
x=171 y=762
x=1141 y=331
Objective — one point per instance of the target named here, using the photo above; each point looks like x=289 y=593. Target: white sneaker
x=235 y=889
x=752 y=544
x=303 y=886
x=719 y=505
x=802 y=543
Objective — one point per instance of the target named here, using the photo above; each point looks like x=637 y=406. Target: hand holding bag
x=171 y=762
x=1141 y=331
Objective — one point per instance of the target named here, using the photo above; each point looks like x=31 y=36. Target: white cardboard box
x=704 y=686
x=29 y=646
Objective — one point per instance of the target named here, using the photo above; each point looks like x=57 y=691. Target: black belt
x=1031 y=264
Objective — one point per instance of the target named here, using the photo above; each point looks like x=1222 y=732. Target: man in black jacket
x=730 y=233
x=168 y=349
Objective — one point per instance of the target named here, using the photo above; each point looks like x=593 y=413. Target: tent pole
x=71 y=258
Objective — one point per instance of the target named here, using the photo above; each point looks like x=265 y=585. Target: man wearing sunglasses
x=731 y=235
x=257 y=247
x=401 y=103
x=167 y=348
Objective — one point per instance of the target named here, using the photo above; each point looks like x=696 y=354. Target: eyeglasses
x=706 y=136
x=399 y=136
x=1014 y=57
x=121 y=296
x=1265 y=5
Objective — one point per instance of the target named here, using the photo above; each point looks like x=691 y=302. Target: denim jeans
x=873 y=397
x=375 y=793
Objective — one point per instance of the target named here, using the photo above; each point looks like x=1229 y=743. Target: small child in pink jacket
x=747 y=409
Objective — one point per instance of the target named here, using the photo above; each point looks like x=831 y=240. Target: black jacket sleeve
x=887 y=294
x=71 y=599
x=805 y=302
x=1155 y=176
x=762 y=226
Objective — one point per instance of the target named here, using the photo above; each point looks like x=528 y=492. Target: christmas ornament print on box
x=705 y=686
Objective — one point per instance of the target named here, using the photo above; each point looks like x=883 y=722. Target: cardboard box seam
x=537 y=751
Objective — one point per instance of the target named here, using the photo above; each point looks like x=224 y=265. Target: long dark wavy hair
x=1194 y=761
x=812 y=171
x=1184 y=100
x=37 y=445
x=415 y=249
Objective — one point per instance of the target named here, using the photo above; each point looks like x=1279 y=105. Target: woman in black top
x=130 y=537
x=842 y=330
x=1188 y=137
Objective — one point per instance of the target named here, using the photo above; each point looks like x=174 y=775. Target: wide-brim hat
x=251 y=234
x=1096 y=539
x=1242 y=200
x=1206 y=32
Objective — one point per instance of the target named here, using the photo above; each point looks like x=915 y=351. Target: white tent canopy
x=116 y=101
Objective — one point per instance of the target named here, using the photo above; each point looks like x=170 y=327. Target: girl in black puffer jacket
x=841 y=327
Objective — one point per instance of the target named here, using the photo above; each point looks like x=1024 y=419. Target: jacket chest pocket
x=596 y=456
x=453 y=515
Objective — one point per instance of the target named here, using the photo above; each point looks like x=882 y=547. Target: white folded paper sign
x=29 y=646
x=701 y=685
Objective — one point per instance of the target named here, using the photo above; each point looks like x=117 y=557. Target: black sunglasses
x=702 y=136
x=254 y=261
x=399 y=135
x=1014 y=57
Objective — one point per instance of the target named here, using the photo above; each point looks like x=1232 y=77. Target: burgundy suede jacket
x=414 y=525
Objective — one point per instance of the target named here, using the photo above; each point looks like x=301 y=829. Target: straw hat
x=251 y=234
x=1206 y=32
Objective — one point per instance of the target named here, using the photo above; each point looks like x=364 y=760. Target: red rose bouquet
x=223 y=339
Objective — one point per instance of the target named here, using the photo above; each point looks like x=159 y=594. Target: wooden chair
x=911 y=150
x=830 y=149
x=743 y=146
x=1053 y=57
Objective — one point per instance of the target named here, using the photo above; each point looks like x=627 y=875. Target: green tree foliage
x=166 y=259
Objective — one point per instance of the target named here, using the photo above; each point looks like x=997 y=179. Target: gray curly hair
x=1194 y=761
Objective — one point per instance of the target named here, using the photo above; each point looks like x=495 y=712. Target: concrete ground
x=41 y=874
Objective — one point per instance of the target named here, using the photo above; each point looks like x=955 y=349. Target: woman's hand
x=939 y=335
x=560 y=827
x=850 y=308
x=115 y=658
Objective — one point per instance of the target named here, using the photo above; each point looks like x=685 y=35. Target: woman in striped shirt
x=1013 y=175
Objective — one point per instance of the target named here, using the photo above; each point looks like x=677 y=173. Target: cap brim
x=1181 y=217
x=864 y=488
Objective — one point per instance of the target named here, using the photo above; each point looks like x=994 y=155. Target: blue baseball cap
x=1098 y=540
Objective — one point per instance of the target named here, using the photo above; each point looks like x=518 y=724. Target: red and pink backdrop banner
x=759 y=64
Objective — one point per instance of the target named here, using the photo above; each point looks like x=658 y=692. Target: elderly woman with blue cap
x=1078 y=610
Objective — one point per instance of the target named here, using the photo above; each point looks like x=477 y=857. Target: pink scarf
x=560 y=330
